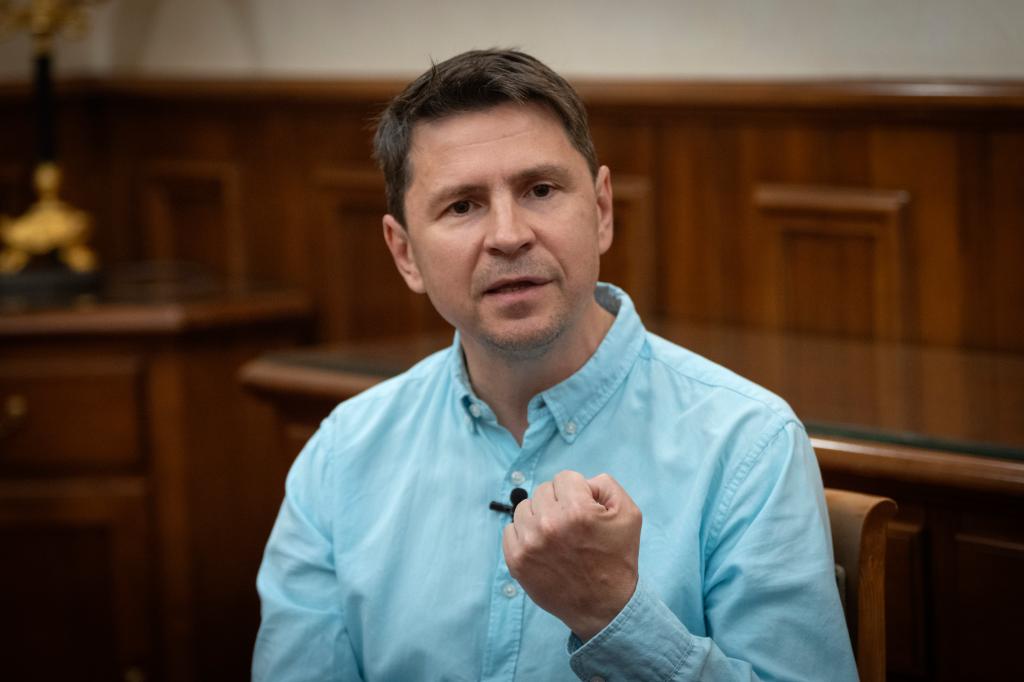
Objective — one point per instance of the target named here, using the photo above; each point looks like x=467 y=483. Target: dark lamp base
x=46 y=284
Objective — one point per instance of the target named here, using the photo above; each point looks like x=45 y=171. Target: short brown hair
x=471 y=81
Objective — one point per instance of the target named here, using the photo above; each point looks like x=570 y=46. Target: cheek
x=445 y=263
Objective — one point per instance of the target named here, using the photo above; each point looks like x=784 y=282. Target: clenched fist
x=573 y=546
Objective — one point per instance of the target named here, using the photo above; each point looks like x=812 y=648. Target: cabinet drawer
x=69 y=415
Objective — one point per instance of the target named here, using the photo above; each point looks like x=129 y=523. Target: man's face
x=504 y=227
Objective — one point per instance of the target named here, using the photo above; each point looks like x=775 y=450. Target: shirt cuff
x=645 y=641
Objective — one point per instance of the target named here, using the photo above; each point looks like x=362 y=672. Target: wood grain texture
x=81 y=609
x=847 y=245
x=153 y=412
x=858 y=523
x=274 y=179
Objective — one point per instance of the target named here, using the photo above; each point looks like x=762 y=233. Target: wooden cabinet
x=135 y=498
x=954 y=466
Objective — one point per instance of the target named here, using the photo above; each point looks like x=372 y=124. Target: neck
x=507 y=382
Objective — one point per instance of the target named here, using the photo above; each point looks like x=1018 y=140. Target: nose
x=508 y=231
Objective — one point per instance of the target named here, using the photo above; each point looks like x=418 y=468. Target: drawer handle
x=15 y=409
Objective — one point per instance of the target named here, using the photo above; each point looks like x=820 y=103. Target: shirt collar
x=575 y=401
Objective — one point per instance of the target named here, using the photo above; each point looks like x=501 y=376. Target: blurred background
x=827 y=196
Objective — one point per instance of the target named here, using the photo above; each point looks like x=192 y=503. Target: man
x=387 y=561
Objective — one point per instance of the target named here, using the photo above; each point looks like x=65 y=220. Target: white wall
x=611 y=38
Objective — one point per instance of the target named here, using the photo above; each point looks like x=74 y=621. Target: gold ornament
x=49 y=225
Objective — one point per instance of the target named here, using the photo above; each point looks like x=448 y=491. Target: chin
x=524 y=344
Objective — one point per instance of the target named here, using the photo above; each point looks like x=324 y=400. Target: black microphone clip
x=516 y=496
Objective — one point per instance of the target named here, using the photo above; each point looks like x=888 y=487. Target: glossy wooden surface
x=274 y=179
x=905 y=395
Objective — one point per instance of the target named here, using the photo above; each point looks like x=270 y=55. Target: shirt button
x=474 y=409
x=570 y=427
x=517 y=477
x=509 y=590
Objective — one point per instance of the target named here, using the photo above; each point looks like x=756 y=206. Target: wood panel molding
x=359 y=282
x=905 y=593
x=818 y=234
x=191 y=210
x=809 y=93
x=986 y=564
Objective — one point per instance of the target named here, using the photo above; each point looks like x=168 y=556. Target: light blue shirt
x=386 y=564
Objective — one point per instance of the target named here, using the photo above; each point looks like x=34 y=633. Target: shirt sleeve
x=771 y=607
x=302 y=634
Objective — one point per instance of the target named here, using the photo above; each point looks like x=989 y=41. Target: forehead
x=500 y=139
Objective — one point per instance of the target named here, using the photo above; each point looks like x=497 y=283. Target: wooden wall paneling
x=627 y=147
x=975 y=234
x=906 y=578
x=758 y=160
x=86 y=542
x=989 y=617
x=988 y=549
x=363 y=295
x=1005 y=174
x=166 y=389
x=192 y=212
x=227 y=538
x=278 y=199
x=923 y=162
x=632 y=261
x=704 y=267
x=956 y=148
x=688 y=264
x=319 y=136
x=837 y=258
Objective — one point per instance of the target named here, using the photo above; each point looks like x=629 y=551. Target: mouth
x=514 y=285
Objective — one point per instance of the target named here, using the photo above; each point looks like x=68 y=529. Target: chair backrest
x=858 y=541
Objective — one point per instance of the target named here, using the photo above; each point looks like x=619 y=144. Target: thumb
x=606 y=491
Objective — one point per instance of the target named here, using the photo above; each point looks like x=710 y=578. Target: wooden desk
x=941 y=431
x=134 y=499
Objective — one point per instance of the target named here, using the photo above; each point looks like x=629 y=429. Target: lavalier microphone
x=515 y=497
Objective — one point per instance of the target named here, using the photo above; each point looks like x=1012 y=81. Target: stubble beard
x=528 y=345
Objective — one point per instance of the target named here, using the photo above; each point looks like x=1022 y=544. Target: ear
x=605 y=218
x=401 y=250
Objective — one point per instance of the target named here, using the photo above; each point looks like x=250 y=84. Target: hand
x=573 y=546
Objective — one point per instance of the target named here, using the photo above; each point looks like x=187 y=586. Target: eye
x=541 y=191
x=460 y=207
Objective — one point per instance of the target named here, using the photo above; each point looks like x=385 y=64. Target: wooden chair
x=858 y=540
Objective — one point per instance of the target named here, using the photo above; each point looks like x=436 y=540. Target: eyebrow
x=555 y=172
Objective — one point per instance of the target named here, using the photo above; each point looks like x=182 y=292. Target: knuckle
x=549 y=526
x=577 y=516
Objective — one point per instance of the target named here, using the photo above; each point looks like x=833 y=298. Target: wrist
x=586 y=626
